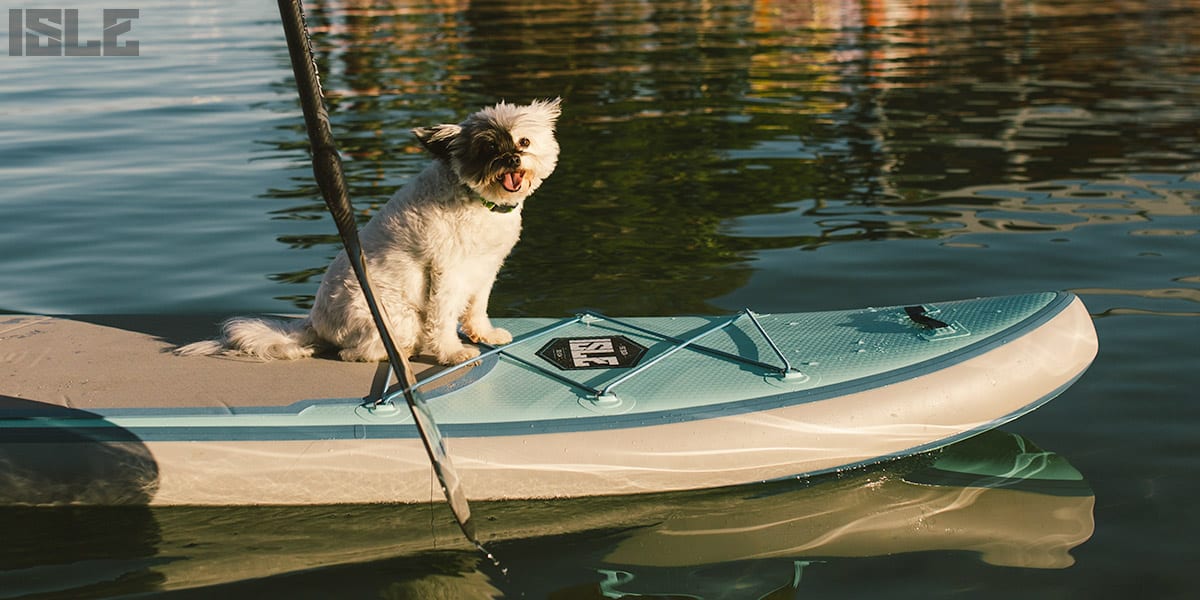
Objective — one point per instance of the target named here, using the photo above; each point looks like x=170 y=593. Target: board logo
x=603 y=352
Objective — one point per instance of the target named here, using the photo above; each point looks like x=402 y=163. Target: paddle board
x=95 y=410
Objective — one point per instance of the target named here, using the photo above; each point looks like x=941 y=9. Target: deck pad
x=122 y=362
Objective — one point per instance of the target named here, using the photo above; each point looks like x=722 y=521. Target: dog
x=432 y=252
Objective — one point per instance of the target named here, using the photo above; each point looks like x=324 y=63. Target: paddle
x=327 y=167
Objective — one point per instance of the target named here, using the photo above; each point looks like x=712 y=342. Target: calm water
x=715 y=155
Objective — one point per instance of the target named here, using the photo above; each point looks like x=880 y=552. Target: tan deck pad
x=125 y=362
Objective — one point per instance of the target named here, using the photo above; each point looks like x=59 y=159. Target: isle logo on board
x=601 y=352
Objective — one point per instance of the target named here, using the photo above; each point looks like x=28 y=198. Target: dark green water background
x=715 y=155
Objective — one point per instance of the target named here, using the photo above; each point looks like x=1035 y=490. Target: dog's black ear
x=437 y=139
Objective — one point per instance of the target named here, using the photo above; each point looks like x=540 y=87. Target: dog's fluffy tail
x=264 y=339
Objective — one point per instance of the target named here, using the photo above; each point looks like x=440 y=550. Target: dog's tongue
x=512 y=181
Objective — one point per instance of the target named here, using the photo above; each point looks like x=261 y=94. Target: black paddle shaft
x=327 y=164
x=327 y=167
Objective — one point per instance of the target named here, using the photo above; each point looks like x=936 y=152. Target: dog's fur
x=432 y=252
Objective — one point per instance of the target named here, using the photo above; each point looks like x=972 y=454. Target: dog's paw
x=496 y=337
x=464 y=354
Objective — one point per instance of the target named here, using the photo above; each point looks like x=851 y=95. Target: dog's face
x=502 y=152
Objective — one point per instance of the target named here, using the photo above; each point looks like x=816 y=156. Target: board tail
x=261 y=338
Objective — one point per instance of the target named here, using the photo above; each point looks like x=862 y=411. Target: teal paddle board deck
x=96 y=412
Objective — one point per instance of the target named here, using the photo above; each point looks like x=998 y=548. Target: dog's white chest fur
x=433 y=228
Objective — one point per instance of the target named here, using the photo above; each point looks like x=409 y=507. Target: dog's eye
x=523 y=142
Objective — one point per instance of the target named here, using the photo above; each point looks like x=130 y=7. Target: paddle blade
x=435 y=445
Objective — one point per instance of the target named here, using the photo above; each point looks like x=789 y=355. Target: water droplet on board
x=495 y=561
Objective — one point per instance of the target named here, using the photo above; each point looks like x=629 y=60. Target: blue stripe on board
x=106 y=431
x=80 y=430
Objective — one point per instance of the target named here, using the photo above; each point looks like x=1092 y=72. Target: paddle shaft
x=327 y=167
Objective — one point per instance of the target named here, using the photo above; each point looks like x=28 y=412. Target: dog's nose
x=511 y=161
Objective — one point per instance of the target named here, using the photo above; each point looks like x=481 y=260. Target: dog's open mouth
x=511 y=181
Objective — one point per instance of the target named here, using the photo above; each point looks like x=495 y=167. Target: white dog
x=432 y=252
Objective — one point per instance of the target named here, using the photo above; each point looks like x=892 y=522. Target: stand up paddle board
x=95 y=410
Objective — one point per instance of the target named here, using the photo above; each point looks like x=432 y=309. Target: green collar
x=503 y=209
x=498 y=208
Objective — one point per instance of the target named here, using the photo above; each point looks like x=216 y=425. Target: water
x=715 y=156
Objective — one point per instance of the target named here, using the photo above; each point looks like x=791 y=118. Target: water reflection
x=683 y=115
x=1151 y=202
x=997 y=497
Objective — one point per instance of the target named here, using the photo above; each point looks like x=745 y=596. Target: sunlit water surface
x=715 y=155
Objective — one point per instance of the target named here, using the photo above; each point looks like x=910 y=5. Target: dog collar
x=498 y=208
x=502 y=209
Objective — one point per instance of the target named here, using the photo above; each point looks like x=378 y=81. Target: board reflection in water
x=997 y=497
